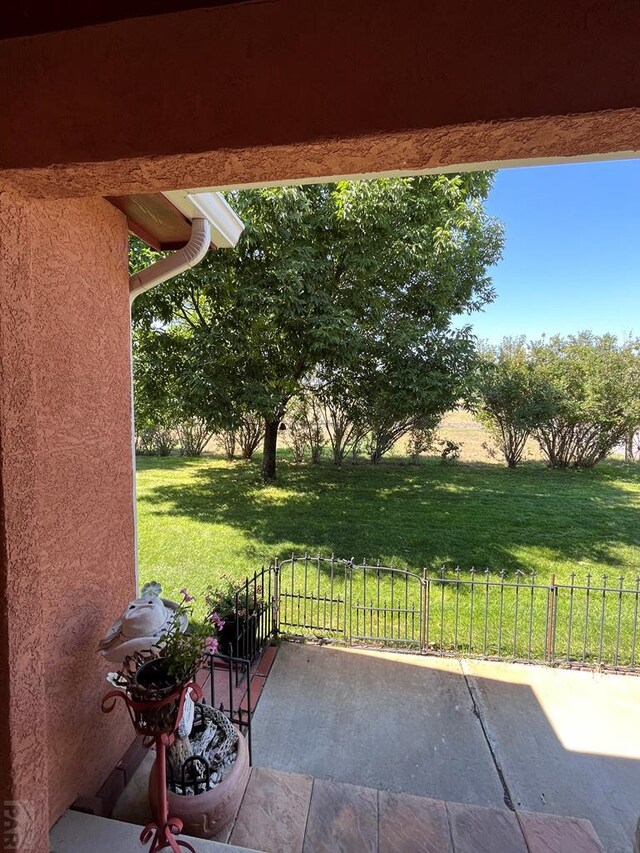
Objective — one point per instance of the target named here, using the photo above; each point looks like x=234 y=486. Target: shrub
x=297 y=439
x=193 y=434
x=509 y=399
x=342 y=413
x=420 y=441
x=592 y=387
x=578 y=396
x=450 y=450
x=155 y=440
x=228 y=438
x=250 y=433
x=306 y=427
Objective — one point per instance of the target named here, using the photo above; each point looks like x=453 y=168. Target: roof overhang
x=163 y=220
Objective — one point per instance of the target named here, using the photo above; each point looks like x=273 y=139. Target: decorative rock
x=215 y=741
x=205 y=815
x=177 y=754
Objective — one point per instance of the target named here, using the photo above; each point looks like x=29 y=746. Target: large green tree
x=327 y=278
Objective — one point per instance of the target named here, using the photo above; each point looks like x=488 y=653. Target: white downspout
x=185 y=258
x=174 y=264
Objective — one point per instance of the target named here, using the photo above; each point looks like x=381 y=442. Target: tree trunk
x=269 y=449
x=628 y=446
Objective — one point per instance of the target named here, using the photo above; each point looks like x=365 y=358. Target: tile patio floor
x=293 y=813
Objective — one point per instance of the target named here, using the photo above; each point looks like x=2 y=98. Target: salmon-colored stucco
x=288 y=90
x=67 y=487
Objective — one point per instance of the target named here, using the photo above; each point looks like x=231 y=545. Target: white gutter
x=211 y=217
x=226 y=225
x=176 y=263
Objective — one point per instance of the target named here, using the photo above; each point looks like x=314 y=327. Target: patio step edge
x=78 y=832
x=303 y=814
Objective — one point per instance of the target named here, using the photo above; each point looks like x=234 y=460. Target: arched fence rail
x=583 y=621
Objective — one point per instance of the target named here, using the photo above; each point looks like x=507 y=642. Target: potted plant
x=239 y=611
x=155 y=680
x=160 y=651
x=216 y=796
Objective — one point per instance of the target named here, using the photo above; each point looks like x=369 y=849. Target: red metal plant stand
x=162 y=831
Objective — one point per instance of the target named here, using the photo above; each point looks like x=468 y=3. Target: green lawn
x=199 y=517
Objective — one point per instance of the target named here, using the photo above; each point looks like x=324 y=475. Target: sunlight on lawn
x=198 y=518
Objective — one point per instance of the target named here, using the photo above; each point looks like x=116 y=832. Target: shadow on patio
x=488 y=734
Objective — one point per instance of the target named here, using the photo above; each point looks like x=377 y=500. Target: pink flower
x=185 y=595
x=211 y=645
x=217 y=621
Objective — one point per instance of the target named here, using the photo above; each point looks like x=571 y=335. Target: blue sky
x=571 y=259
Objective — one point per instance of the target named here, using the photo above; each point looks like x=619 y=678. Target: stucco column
x=23 y=742
x=66 y=482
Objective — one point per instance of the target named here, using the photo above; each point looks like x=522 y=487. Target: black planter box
x=238 y=638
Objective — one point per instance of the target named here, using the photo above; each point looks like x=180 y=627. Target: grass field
x=200 y=517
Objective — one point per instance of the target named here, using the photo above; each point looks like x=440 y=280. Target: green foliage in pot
x=178 y=656
x=184 y=652
x=225 y=599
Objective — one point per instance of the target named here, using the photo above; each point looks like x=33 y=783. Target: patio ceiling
x=163 y=220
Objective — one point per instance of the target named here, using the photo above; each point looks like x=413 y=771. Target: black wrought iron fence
x=256 y=614
x=590 y=622
x=229 y=689
x=581 y=621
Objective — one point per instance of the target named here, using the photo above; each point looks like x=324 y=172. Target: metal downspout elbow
x=176 y=263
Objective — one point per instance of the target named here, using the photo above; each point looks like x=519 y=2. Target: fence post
x=350 y=570
x=346 y=604
x=551 y=620
x=276 y=599
x=424 y=611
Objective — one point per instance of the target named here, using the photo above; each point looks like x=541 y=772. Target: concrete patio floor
x=478 y=732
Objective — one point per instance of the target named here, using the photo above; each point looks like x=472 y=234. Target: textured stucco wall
x=84 y=485
x=287 y=89
x=23 y=732
x=479 y=145
x=66 y=464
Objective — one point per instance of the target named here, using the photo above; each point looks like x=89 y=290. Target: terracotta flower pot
x=205 y=815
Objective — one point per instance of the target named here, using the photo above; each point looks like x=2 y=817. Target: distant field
x=459 y=426
x=462 y=427
x=476 y=442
